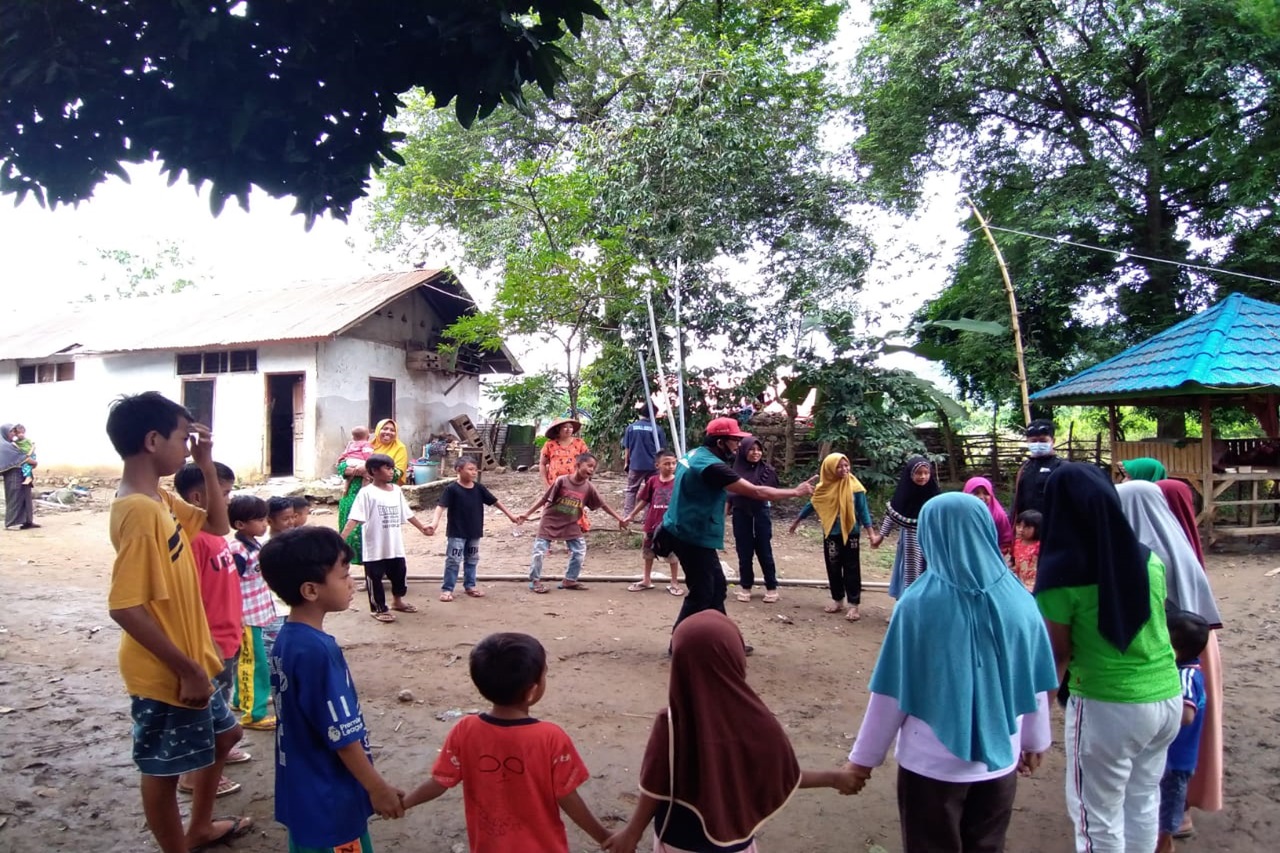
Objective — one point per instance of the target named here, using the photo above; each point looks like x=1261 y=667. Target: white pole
x=657 y=360
x=648 y=400
x=679 y=357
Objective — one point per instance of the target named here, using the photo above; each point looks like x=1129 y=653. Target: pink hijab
x=1004 y=528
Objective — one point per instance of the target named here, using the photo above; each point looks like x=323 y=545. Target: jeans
x=464 y=552
x=577 y=553
x=1173 y=799
x=753 y=537
x=704 y=578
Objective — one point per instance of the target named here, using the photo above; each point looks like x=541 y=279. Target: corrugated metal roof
x=1230 y=348
x=200 y=318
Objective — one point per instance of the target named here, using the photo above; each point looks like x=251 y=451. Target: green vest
x=696 y=512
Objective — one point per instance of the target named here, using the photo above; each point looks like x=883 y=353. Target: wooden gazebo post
x=1113 y=428
x=1206 y=462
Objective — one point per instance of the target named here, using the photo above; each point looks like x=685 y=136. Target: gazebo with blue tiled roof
x=1227 y=355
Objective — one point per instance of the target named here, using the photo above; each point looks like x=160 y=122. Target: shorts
x=363 y=844
x=169 y=740
x=646 y=550
x=1173 y=799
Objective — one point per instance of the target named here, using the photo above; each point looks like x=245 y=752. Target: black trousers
x=954 y=817
x=844 y=568
x=393 y=570
x=702 y=576
x=753 y=537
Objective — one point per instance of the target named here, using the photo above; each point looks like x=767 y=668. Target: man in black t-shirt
x=1028 y=492
x=465 y=500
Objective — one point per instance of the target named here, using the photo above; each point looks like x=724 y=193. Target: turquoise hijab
x=966 y=650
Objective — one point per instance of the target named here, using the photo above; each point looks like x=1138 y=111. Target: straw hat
x=553 y=429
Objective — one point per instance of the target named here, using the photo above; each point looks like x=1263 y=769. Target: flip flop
x=240 y=826
x=853 y=615
x=675 y=590
x=266 y=724
x=446 y=596
x=639 y=587
x=573 y=585
x=226 y=787
x=833 y=607
x=384 y=616
x=539 y=588
x=238 y=756
x=405 y=608
x=742 y=595
x=771 y=596
x=473 y=592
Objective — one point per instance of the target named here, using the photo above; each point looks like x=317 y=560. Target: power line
x=1123 y=254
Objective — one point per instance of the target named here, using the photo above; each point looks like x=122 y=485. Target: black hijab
x=908 y=499
x=761 y=473
x=1085 y=541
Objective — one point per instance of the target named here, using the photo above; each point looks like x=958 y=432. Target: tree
x=134 y=275
x=1143 y=127
x=290 y=96
x=686 y=136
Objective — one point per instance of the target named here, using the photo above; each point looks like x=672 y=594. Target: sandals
x=225 y=787
x=639 y=587
x=384 y=616
x=474 y=592
x=675 y=590
x=833 y=607
x=266 y=724
x=770 y=596
x=743 y=595
x=853 y=615
x=238 y=756
x=446 y=596
x=404 y=608
x=239 y=826
x=539 y=587
x=573 y=585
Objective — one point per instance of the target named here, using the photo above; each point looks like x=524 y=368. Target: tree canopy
x=291 y=96
x=1147 y=128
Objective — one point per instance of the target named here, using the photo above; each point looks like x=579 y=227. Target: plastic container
x=425 y=472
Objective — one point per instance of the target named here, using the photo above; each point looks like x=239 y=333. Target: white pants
x=1115 y=757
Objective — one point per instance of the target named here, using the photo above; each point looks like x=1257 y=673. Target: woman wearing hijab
x=841 y=503
x=19 y=507
x=560 y=454
x=1102 y=595
x=966 y=723
x=1151 y=515
x=1143 y=468
x=386 y=439
x=981 y=488
x=752 y=523
x=718 y=763
x=916 y=485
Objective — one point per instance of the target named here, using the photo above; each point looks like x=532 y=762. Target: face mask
x=1039 y=448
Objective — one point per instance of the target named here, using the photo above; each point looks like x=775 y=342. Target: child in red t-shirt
x=1026 y=547
x=517 y=773
x=656 y=493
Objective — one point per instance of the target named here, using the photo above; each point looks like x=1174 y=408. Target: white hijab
x=1156 y=526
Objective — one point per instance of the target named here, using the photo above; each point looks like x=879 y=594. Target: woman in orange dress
x=560 y=453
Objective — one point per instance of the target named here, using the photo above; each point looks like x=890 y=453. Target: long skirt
x=1205 y=790
x=19 y=507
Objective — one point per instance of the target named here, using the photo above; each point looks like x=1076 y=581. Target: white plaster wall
x=67 y=419
x=345 y=366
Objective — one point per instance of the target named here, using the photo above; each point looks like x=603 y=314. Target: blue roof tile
x=1231 y=347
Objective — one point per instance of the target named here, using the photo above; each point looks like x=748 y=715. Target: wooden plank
x=1267 y=530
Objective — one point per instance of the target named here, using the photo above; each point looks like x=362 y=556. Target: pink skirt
x=1205 y=790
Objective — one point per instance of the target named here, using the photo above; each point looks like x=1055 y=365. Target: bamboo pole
x=799 y=583
x=1013 y=311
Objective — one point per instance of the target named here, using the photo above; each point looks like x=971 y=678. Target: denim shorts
x=1173 y=799
x=169 y=740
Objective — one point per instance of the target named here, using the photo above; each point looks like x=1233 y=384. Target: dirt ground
x=67 y=782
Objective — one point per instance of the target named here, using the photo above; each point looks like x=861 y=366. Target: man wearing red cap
x=693 y=527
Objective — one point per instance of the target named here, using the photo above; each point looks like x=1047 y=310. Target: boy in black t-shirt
x=465 y=500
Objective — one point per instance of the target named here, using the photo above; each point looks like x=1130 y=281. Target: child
x=981 y=488
x=250 y=517
x=1188 y=634
x=382 y=504
x=301 y=510
x=752 y=523
x=326 y=784
x=568 y=496
x=220 y=591
x=656 y=493
x=1026 y=547
x=517 y=773
x=18 y=434
x=167 y=655
x=841 y=503
x=916 y=485
x=280 y=515
x=359 y=447
x=718 y=763
x=465 y=500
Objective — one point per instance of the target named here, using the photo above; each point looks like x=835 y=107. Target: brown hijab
x=1178 y=495
x=716 y=749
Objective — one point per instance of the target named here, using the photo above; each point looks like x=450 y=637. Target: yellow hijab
x=395 y=449
x=833 y=498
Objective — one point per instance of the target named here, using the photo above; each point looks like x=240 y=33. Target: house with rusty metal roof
x=282 y=374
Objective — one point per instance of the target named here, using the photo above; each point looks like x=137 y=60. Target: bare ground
x=67 y=782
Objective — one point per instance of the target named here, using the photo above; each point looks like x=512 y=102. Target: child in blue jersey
x=326 y=784
x=1188 y=634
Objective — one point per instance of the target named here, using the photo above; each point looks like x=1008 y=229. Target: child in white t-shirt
x=381 y=509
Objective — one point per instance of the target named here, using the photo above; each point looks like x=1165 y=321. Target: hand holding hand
x=200 y=444
x=388 y=802
x=622 y=525
x=876 y=539
x=619 y=842
x=429 y=530
x=1029 y=762
x=861 y=775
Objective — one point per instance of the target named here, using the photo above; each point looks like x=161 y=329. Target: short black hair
x=1040 y=427
x=1188 y=634
x=300 y=502
x=378 y=460
x=1031 y=518
x=246 y=508
x=584 y=457
x=665 y=452
x=463 y=460
x=190 y=477
x=504 y=666
x=133 y=417
x=277 y=505
x=301 y=555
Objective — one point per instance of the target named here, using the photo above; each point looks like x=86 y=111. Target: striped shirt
x=259 y=607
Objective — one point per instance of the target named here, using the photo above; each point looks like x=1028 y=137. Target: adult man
x=1028 y=492
x=640 y=442
x=693 y=527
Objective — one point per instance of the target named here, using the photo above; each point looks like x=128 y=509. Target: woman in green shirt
x=1102 y=595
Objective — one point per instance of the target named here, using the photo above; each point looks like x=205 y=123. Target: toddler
x=1188 y=634
x=655 y=493
x=1026 y=547
x=359 y=447
x=18 y=434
